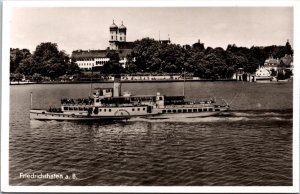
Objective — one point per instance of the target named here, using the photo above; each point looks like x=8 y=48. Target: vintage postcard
x=162 y=96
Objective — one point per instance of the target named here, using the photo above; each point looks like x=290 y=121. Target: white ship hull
x=115 y=114
x=157 y=113
x=62 y=116
x=174 y=113
x=188 y=115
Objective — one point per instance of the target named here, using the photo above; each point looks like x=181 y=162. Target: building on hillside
x=262 y=72
x=88 y=59
x=97 y=58
x=272 y=67
x=271 y=63
x=286 y=63
x=276 y=65
x=118 y=37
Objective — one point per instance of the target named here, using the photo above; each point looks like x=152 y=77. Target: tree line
x=149 y=56
x=46 y=61
x=152 y=56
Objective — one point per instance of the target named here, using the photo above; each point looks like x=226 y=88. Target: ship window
x=104 y=110
x=160 y=98
x=194 y=110
x=199 y=110
x=190 y=110
x=96 y=110
x=164 y=111
x=174 y=111
x=100 y=110
x=210 y=109
x=97 y=100
x=184 y=110
x=144 y=109
x=217 y=109
x=138 y=109
x=66 y=108
x=85 y=108
x=71 y=108
x=75 y=108
x=133 y=109
x=109 y=110
x=204 y=109
x=80 y=108
x=179 y=110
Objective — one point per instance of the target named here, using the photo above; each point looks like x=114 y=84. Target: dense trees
x=112 y=66
x=149 y=56
x=152 y=56
x=46 y=60
x=17 y=58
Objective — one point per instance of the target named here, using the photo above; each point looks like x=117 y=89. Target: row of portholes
x=138 y=109
x=187 y=110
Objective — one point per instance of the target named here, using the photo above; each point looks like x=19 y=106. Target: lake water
x=251 y=145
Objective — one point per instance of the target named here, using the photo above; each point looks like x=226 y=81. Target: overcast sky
x=88 y=28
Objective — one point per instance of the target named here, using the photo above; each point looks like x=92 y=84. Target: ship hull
x=186 y=112
x=188 y=115
x=42 y=115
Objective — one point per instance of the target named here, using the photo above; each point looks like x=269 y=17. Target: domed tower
x=122 y=33
x=113 y=29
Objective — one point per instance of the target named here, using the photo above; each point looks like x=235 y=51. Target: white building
x=262 y=72
x=271 y=63
x=88 y=59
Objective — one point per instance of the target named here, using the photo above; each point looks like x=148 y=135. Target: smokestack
x=117 y=86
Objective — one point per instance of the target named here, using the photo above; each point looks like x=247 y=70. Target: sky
x=88 y=28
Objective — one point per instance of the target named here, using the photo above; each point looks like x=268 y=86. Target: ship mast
x=90 y=94
x=183 y=90
x=30 y=100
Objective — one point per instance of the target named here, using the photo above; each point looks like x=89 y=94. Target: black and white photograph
x=153 y=96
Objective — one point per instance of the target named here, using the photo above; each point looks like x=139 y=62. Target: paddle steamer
x=109 y=104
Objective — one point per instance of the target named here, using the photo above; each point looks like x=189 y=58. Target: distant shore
x=123 y=81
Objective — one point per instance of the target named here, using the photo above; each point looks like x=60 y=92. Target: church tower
x=113 y=29
x=122 y=33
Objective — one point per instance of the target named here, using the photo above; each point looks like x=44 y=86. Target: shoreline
x=122 y=81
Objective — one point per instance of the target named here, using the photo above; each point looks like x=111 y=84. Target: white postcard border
x=7 y=5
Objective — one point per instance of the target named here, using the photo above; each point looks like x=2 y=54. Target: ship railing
x=76 y=104
x=79 y=101
x=201 y=102
x=188 y=106
x=123 y=105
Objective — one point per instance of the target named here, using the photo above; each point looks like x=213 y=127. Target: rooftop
x=99 y=53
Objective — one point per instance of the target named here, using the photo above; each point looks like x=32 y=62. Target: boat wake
x=231 y=116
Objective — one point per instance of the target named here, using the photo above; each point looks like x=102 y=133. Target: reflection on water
x=252 y=147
